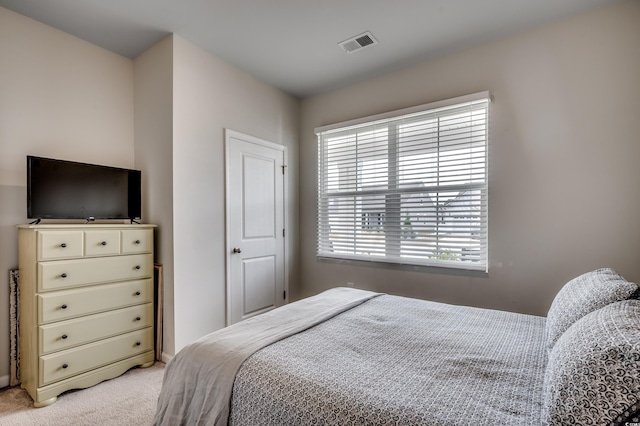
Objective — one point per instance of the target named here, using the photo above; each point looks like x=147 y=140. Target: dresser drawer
x=78 y=272
x=59 y=244
x=67 y=363
x=66 y=334
x=137 y=241
x=101 y=243
x=62 y=305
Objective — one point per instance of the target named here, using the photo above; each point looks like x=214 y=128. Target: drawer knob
x=137 y=266
x=137 y=293
x=138 y=318
x=64 y=336
x=137 y=242
x=104 y=243
x=63 y=275
x=138 y=343
x=65 y=365
x=63 y=307
x=63 y=245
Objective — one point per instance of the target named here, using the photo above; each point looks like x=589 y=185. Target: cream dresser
x=86 y=305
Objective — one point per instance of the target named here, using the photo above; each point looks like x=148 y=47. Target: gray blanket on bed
x=399 y=361
x=198 y=381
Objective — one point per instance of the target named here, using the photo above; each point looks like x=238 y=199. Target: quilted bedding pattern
x=399 y=361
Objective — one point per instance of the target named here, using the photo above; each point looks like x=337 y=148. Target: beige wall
x=184 y=99
x=564 y=151
x=209 y=96
x=153 y=95
x=163 y=113
x=60 y=97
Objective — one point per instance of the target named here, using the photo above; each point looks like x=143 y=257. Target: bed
x=347 y=357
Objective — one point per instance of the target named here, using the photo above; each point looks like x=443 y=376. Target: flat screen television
x=58 y=189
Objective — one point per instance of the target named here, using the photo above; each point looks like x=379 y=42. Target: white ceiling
x=293 y=44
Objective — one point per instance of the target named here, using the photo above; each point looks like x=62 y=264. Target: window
x=408 y=186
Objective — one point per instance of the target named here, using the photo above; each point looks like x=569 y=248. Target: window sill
x=433 y=267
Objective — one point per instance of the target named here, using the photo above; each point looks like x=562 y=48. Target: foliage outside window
x=408 y=186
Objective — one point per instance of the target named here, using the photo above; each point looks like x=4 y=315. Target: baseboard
x=166 y=357
x=4 y=381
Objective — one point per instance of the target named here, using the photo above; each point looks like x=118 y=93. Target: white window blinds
x=408 y=186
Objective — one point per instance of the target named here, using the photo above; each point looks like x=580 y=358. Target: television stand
x=35 y=222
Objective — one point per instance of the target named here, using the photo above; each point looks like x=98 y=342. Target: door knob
x=237 y=250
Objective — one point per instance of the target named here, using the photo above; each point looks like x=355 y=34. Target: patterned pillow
x=593 y=372
x=582 y=295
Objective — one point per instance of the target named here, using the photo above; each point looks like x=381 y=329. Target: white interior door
x=255 y=196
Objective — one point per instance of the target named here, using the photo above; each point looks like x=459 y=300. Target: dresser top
x=86 y=225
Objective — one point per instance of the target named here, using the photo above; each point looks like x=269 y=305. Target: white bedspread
x=199 y=380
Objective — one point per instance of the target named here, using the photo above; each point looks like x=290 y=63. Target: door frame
x=228 y=135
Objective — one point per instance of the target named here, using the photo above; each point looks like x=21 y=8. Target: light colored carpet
x=126 y=400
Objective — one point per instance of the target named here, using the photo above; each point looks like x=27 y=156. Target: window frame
x=393 y=224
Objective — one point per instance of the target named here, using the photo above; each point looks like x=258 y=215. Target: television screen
x=58 y=189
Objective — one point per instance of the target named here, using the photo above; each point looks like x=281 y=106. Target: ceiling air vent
x=358 y=42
